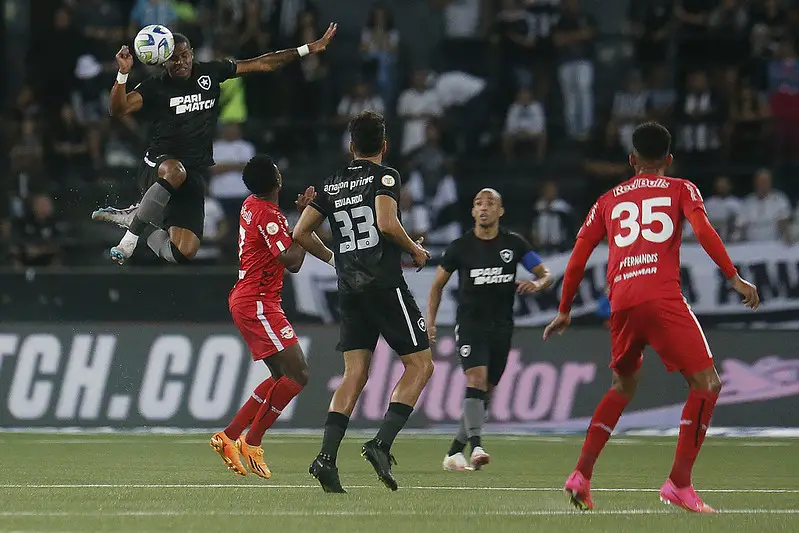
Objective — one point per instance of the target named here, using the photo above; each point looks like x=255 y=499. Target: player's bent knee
x=173 y=172
x=625 y=384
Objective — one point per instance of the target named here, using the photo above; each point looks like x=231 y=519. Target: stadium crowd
x=530 y=95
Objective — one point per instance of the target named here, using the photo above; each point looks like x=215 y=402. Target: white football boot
x=120 y=217
x=456 y=462
x=479 y=458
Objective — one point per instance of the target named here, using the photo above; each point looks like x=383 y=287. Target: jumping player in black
x=360 y=202
x=181 y=102
x=485 y=259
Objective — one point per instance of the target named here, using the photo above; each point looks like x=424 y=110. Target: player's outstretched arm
x=275 y=60
x=710 y=241
x=304 y=235
x=123 y=102
x=389 y=225
x=532 y=262
x=434 y=300
x=571 y=282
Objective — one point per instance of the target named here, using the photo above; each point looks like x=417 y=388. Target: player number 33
x=364 y=219
x=632 y=218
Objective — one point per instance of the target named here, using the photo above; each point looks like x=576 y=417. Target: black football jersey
x=365 y=259
x=486 y=276
x=183 y=113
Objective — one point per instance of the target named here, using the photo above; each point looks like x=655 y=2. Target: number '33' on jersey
x=365 y=259
x=642 y=219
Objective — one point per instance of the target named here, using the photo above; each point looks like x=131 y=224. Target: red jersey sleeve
x=274 y=228
x=690 y=199
x=593 y=229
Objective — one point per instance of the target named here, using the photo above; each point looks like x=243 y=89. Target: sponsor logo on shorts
x=421 y=324
x=204 y=82
x=287 y=332
x=506 y=255
x=466 y=350
x=272 y=228
x=388 y=180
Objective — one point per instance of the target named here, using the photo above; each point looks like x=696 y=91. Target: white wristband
x=122 y=79
x=303 y=50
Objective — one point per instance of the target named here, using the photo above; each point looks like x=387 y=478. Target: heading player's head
x=651 y=149
x=487 y=208
x=180 y=63
x=261 y=176
x=368 y=135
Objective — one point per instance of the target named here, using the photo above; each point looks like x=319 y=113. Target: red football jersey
x=642 y=219
x=263 y=235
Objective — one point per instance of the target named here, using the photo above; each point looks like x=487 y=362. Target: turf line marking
x=412 y=487
x=616 y=512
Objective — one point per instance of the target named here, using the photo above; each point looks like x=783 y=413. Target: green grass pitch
x=176 y=483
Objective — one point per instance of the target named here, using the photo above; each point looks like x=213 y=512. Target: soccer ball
x=154 y=44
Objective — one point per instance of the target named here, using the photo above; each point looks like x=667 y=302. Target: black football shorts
x=186 y=208
x=392 y=313
x=481 y=346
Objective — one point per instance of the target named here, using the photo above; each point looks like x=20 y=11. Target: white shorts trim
x=259 y=310
x=407 y=318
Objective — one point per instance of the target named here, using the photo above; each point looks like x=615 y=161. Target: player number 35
x=632 y=218
x=364 y=219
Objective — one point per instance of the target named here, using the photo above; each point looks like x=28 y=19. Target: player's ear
x=384 y=150
x=501 y=211
x=669 y=160
x=352 y=149
x=632 y=160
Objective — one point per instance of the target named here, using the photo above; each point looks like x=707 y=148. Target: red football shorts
x=265 y=329
x=669 y=327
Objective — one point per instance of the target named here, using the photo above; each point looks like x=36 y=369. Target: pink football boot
x=687 y=498
x=578 y=489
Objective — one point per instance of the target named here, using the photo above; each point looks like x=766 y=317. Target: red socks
x=249 y=409
x=276 y=400
x=694 y=422
x=605 y=417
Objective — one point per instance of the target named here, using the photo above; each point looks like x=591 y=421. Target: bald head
x=487 y=208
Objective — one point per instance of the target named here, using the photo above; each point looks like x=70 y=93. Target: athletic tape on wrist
x=303 y=50
x=122 y=78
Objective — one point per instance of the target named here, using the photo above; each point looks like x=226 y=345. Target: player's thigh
x=265 y=331
x=499 y=350
x=677 y=337
x=627 y=342
x=473 y=346
x=186 y=207
x=400 y=321
x=358 y=330
x=290 y=362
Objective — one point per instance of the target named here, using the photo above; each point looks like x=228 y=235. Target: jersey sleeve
x=322 y=203
x=148 y=91
x=449 y=261
x=222 y=70
x=275 y=233
x=690 y=199
x=525 y=253
x=389 y=184
x=593 y=229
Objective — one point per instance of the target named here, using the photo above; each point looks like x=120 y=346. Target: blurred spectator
x=215 y=229
x=662 y=94
x=748 y=125
x=264 y=95
x=516 y=42
x=61 y=47
x=761 y=53
x=574 y=39
x=231 y=153
x=313 y=90
x=360 y=99
x=553 y=223
x=146 y=12
x=466 y=104
x=430 y=197
x=525 y=123
x=629 y=109
x=700 y=115
x=784 y=99
x=36 y=234
x=544 y=16
x=723 y=210
x=27 y=154
x=69 y=147
x=606 y=163
x=770 y=15
x=729 y=27
x=379 y=52
x=650 y=23
x=103 y=23
x=766 y=212
x=693 y=17
x=462 y=28
x=90 y=103
x=417 y=105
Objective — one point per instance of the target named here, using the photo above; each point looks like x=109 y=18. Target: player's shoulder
x=511 y=235
x=214 y=66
